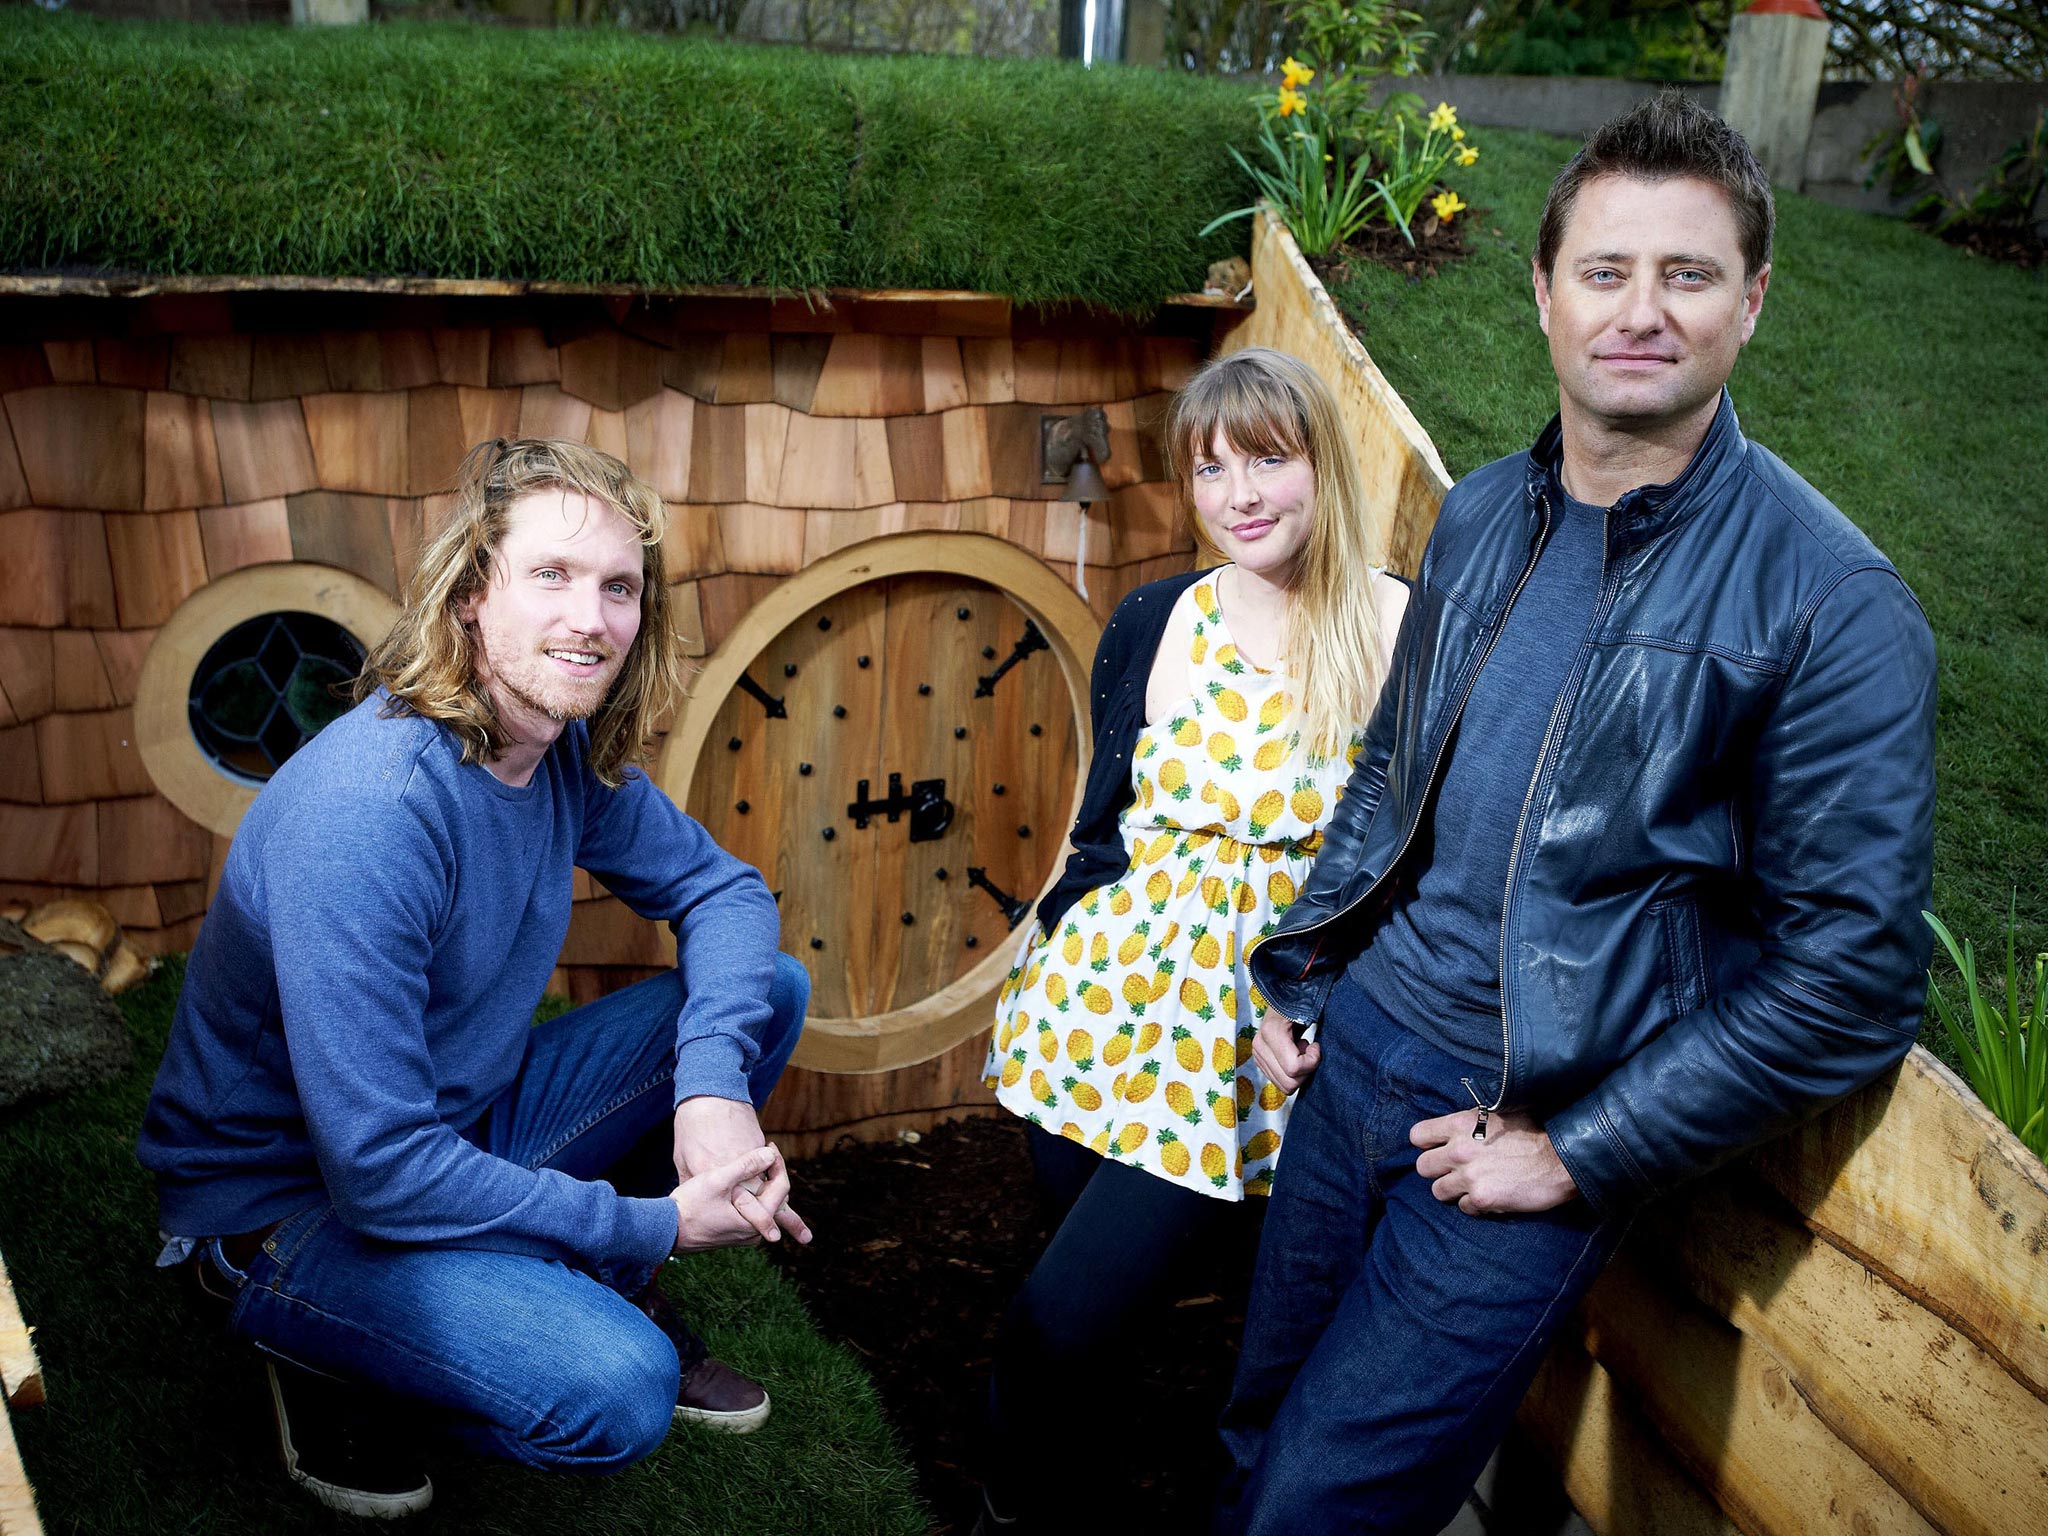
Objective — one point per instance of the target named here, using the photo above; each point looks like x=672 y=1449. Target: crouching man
x=378 y=1173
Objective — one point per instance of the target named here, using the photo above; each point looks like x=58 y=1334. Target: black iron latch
x=930 y=811
x=1033 y=639
x=1014 y=907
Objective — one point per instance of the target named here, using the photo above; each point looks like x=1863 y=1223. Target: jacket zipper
x=1437 y=762
x=1550 y=732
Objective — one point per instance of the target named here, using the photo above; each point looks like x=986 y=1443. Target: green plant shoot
x=2002 y=1053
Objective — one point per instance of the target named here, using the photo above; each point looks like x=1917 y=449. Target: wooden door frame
x=934 y=1024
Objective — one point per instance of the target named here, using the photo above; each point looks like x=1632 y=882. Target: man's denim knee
x=613 y=1409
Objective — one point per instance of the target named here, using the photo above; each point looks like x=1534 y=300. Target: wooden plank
x=355 y=363
x=868 y=375
x=180 y=466
x=134 y=362
x=58 y=844
x=70 y=361
x=263 y=448
x=157 y=561
x=487 y=413
x=816 y=459
x=1037 y=364
x=989 y=364
x=23 y=365
x=917 y=458
x=796 y=362
x=689 y=618
x=1146 y=521
x=57 y=570
x=21 y=776
x=767 y=438
x=284 y=366
x=873 y=481
x=812 y=1112
x=80 y=446
x=694 y=547
x=219 y=367
x=545 y=411
x=692 y=364
x=17 y=1495
x=1096 y=369
x=121 y=653
x=1733 y=1415
x=746 y=373
x=352 y=532
x=718 y=454
x=359 y=442
x=607 y=432
x=1939 y=1418
x=610 y=370
x=1126 y=462
x=1914 y=1178
x=178 y=900
x=725 y=598
x=78 y=677
x=249 y=534
x=1167 y=362
x=763 y=540
x=90 y=756
x=520 y=354
x=945 y=377
x=406 y=359
x=964 y=434
x=435 y=439
x=27 y=670
x=463 y=355
x=659 y=434
x=1399 y=462
x=148 y=839
x=1015 y=468
x=13 y=483
x=1617 y=1472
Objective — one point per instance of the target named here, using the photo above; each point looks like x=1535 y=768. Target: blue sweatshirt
x=364 y=982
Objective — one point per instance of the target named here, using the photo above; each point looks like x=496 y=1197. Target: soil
x=58 y=1030
x=2021 y=248
x=920 y=1246
x=1437 y=244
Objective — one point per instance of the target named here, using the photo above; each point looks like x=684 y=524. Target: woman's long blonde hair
x=1263 y=401
x=428 y=661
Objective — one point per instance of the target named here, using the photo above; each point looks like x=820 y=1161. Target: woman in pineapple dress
x=1227 y=706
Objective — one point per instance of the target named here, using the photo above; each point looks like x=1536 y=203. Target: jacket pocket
x=1685 y=966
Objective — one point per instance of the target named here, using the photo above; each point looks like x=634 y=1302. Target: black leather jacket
x=1711 y=924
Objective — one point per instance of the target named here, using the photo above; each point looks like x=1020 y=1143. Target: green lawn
x=1903 y=378
x=153 y=1426
x=601 y=156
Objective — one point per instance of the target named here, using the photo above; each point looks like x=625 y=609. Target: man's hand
x=1281 y=1053
x=713 y=1209
x=1514 y=1169
x=710 y=1133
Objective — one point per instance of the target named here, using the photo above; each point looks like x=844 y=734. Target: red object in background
x=1787 y=8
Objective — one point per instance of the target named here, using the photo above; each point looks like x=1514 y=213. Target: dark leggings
x=1068 y=1342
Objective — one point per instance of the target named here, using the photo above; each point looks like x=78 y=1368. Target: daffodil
x=1294 y=74
x=1468 y=155
x=1447 y=205
x=1292 y=101
x=1444 y=117
x=1457 y=135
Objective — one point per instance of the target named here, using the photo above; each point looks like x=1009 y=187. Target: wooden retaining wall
x=155 y=437
x=1848 y=1331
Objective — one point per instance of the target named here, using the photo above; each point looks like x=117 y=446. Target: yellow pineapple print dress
x=1130 y=1028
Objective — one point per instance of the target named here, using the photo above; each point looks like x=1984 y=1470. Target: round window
x=248 y=670
x=267 y=687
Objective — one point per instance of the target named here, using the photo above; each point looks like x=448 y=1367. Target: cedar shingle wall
x=150 y=445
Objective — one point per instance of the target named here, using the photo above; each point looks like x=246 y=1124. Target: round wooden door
x=901 y=759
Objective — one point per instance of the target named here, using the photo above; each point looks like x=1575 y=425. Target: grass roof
x=602 y=157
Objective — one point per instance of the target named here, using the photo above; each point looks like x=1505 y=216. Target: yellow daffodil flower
x=1444 y=117
x=1468 y=155
x=1448 y=205
x=1457 y=135
x=1294 y=74
x=1292 y=101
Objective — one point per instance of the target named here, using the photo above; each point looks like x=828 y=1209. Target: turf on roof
x=455 y=151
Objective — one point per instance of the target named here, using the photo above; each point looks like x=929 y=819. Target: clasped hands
x=734 y=1185
x=1514 y=1169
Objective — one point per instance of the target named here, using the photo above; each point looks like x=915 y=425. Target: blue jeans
x=518 y=1357
x=1389 y=1335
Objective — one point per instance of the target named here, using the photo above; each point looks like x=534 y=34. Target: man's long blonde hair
x=428 y=661
x=1263 y=401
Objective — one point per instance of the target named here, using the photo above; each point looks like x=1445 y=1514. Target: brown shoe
x=718 y=1397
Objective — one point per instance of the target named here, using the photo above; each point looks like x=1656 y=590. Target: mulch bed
x=1437 y=244
x=920 y=1246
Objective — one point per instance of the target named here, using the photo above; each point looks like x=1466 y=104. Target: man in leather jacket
x=1627 y=879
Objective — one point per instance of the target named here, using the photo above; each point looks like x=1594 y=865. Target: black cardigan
x=1116 y=702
